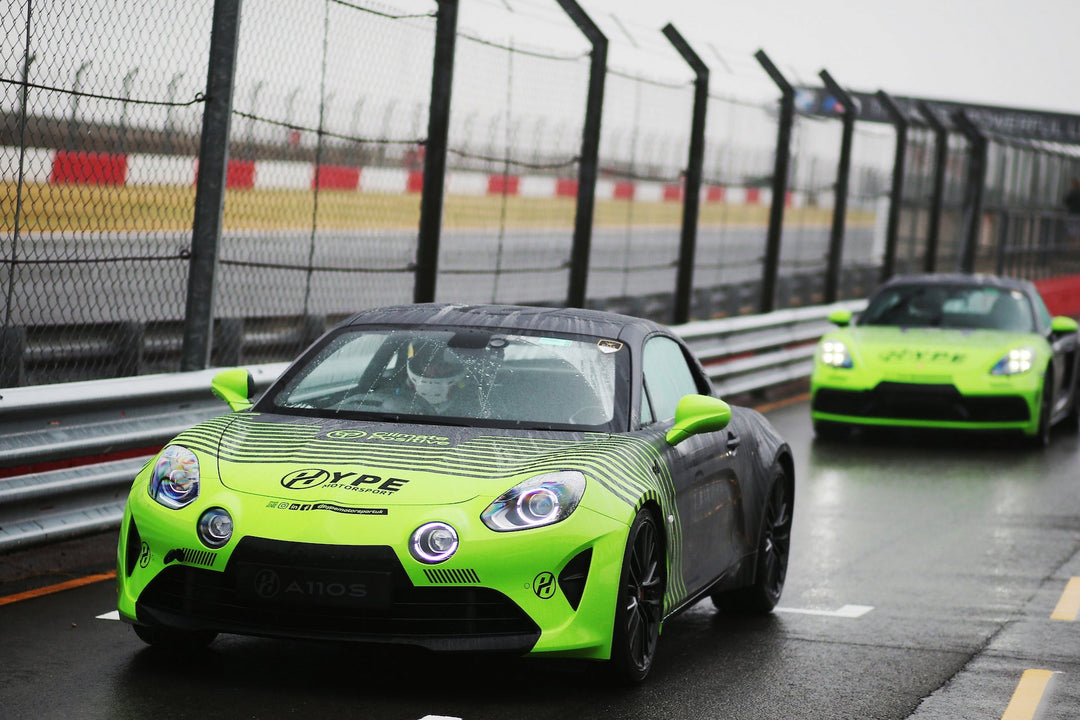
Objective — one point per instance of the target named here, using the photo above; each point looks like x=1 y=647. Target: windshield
x=463 y=377
x=955 y=307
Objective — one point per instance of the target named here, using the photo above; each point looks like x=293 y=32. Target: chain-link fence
x=513 y=164
x=330 y=147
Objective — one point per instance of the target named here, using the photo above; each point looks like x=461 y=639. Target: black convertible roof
x=593 y=323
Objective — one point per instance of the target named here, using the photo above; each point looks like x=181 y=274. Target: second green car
x=949 y=351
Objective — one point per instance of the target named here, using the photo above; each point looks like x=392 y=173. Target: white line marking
x=114 y=615
x=848 y=611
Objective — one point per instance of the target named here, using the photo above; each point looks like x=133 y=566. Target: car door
x=703 y=466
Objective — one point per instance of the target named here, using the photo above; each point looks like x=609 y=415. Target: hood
x=930 y=354
x=358 y=463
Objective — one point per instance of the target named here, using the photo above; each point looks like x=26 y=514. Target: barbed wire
x=199 y=97
x=505 y=271
x=384 y=14
x=626 y=75
x=465 y=154
x=520 y=51
x=322 y=132
x=614 y=172
x=411 y=267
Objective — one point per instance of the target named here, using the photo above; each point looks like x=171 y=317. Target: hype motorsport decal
x=354 y=481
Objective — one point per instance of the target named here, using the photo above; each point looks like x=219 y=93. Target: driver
x=438 y=379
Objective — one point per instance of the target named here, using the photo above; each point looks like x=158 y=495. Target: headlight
x=174 y=481
x=834 y=354
x=1015 y=362
x=538 y=501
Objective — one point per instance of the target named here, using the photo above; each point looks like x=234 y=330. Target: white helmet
x=433 y=372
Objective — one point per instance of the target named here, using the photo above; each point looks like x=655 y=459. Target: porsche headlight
x=835 y=354
x=538 y=501
x=1016 y=361
x=174 y=481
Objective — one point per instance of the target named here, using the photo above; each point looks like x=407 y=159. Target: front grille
x=221 y=600
x=915 y=401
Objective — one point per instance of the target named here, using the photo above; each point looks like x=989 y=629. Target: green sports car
x=541 y=481
x=950 y=351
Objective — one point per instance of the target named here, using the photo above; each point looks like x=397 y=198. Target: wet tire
x=173 y=640
x=640 y=602
x=1071 y=422
x=1041 y=439
x=774 y=546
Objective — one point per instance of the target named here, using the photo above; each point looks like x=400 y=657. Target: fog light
x=433 y=542
x=215 y=527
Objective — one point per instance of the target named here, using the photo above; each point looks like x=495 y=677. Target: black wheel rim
x=643 y=597
x=776 y=539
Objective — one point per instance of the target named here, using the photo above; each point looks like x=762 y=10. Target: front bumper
x=550 y=590
x=1011 y=404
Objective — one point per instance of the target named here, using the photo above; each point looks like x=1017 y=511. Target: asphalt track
x=92 y=278
x=931 y=578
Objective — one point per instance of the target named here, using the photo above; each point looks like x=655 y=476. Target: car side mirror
x=841 y=317
x=1061 y=325
x=698 y=414
x=235 y=386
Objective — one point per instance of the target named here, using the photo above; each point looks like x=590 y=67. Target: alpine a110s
x=542 y=481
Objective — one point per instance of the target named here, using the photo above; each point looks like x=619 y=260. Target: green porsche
x=948 y=351
x=539 y=481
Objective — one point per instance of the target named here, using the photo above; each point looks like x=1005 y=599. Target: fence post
x=896 y=192
x=9 y=291
x=210 y=186
x=937 y=198
x=843 y=175
x=431 y=200
x=973 y=190
x=684 y=283
x=589 y=166
x=771 y=269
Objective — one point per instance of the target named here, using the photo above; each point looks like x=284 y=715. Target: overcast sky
x=1013 y=53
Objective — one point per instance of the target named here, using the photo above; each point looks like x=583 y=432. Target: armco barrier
x=68 y=452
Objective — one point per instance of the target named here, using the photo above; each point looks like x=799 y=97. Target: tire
x=173 y=640
x=1041 y=439
x=1071 y=422
x=774 y=546
x=639 y=607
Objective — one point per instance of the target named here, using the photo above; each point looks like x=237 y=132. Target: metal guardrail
x=68 y=452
